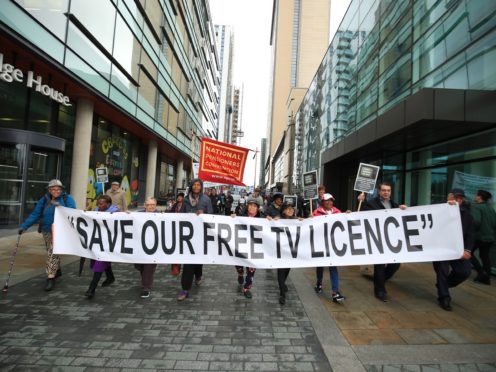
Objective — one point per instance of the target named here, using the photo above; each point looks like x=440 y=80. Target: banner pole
x=255 y=176
x=192 y=152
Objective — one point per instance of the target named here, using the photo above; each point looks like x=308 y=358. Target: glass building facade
x=150 y=70
x=384 y=53
x=408 y=86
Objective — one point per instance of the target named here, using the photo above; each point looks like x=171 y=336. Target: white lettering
x=31 y=80
x=9 y=73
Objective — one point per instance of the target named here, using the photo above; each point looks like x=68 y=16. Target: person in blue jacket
x=45 y=210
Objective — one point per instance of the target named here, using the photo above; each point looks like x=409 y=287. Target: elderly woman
x=45 y=210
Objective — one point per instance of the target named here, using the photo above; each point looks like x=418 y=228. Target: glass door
x=43 y=165
x=11 y=176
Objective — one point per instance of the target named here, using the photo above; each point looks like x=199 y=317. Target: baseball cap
x=55 y=183
x=457 y=192
x=278 y=195
x=327 y=196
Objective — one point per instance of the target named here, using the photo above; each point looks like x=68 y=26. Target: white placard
x=366 y=178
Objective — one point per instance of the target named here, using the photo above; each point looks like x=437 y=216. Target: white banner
x=417 y=234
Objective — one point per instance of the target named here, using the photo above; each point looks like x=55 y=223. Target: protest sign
x=366 y=178
x=221 y=162
x=310 y=187
x=417 y=234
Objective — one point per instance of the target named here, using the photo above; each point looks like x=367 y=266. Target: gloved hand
x=21 y=231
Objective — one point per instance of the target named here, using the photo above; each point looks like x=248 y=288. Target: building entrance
x=28 y=161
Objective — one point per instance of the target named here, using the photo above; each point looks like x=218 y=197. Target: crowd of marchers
x=478 y=223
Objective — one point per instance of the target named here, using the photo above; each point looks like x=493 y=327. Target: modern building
x=235 y=132
x=408 y=86
x=299 y=38
x=225 y=48
x=122 y=86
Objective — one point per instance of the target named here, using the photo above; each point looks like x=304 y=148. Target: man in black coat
x=461 y=268
x=382 y=272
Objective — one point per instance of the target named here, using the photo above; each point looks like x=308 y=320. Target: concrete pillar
x=151 y=169
x=81 y=154
x=179 y=174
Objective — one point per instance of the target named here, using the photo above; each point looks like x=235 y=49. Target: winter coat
x=272 y=211
x=320 y=211
x=485 y=221
x=118 y=198
x=47 y=211
x=468 y=228
x=175 y=208
x=203 y=202
x=375 y=204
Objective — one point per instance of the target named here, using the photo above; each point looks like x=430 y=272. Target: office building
x=225 y=48
x=126 y=87
x=408 y=86
x=299 y=38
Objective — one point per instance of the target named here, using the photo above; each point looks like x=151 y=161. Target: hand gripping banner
x=221 y=162
x=417 y=234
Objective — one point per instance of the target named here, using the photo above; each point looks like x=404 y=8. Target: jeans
x=334 y=276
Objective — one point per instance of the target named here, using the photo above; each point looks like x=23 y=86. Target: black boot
x=282 y=297
x=90 y=292
x=110 y=278
x=58 y=273
x=94 y=283
x=49 y=284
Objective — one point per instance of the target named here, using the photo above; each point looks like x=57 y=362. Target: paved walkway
x=218 y=329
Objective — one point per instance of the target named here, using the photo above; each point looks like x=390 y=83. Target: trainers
x=337 y=297
x=145 y=294
x=108 y=282
x=318 y=288
x=241 y=279
x=183 y=295
x=247 y=293
x=198 y=281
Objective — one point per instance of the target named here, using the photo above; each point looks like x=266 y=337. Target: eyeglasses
x=150 y=205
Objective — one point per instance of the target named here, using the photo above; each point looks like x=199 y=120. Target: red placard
x=222 y=162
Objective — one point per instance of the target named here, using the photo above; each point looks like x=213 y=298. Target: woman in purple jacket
x=104 y=204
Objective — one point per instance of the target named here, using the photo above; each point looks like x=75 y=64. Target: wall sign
x=9 y=73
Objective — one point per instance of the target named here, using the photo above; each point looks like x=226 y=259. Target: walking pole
x=12 y=259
